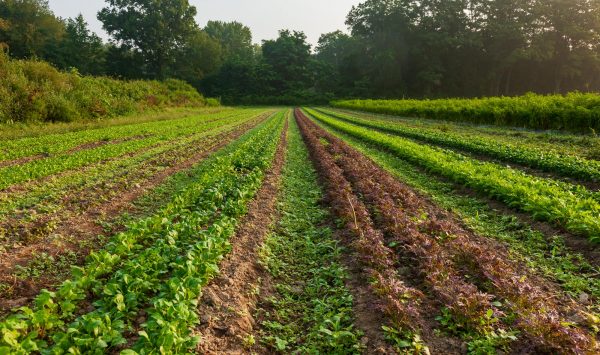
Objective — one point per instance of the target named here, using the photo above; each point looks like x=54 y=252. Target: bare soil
x=81 y=233
x=228 y=303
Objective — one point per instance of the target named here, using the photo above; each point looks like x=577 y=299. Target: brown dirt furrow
x=30 y=225
x=463 y=270
x=98 y=144
x=397 y=300
x=20 y=161
x=229 y=301
x=79 y=234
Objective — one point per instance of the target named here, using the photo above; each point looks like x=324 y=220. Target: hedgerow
x=573 y=112
x=34 y=91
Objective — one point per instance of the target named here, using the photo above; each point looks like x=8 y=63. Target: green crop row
x=96 y=183
x=36 y=169
x=565 y=165
x=157 y=265
x=52 y=144
x=570 y=206
x=574 y=112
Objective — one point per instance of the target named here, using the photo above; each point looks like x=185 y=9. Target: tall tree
x=158 y=29
x=289 y=57
x=200 y=56
x=234 y=37
x=29 y=28
x=82 y=49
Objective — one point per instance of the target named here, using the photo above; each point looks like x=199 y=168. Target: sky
x=264 y=17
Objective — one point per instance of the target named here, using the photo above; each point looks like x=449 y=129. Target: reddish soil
x=455 y=267
x=229 y=301
x=80 y=233
x=393 y=298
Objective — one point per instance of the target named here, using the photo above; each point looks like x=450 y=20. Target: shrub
x=32 y=90
x=573 y=112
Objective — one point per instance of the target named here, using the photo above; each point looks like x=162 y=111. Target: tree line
x=394 y=49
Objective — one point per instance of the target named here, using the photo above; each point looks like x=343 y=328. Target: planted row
x=302 y=249
x=44 y=193
x=52 y=144
x=66 y=160
x=159 y=264
x=543 y=159
x=494 y=290
x=572 y=207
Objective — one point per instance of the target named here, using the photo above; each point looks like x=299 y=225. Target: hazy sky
x=264 y=17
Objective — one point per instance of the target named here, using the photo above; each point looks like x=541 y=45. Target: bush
x=573 y=112
x=32 y=90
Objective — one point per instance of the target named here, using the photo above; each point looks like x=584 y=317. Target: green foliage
x=235 y=39
x=157 y=28
x=570 y=206
x=158 y=265
x=29 y=28
x=552 y=161
x=33 y=90
x=312 y=308
x=575 y=111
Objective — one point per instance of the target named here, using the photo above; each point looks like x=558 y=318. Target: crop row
x=51 y=203
x=302 y=248
x=554 y=162
x=444 y=253
x=575 y=111
x=572 y=207
x=145 y=283
x=44 y=192
x=550 y=256
x=51 y=144
x=36 y=169
x=399 y=301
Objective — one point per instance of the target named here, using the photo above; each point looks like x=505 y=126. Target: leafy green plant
x=571 y=206
x=161 y=261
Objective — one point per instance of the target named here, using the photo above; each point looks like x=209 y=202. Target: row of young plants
x=12 y=175
x=31 y=216
x=481 y=287
x=46 y=191
x=400 y=302
x=548 y=255
x=144 y=285
x=55 y=143
x=585 y=146
x=575 y=111
x=553 y=162
x=312 y=309
x=570 y=206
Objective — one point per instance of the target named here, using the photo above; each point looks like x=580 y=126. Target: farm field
x=307 y=230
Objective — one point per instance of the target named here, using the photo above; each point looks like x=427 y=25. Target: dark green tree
x=199 y=57
x=82 y=49
x=28 y=28
x=289 y=57
x=158 y=29
x=235 y=39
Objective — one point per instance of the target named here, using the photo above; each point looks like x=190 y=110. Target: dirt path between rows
x=229 y=301
x=79 y=234
x=457 y=266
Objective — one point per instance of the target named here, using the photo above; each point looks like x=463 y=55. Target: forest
x=393 y=48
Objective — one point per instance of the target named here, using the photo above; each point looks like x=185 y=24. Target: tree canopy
x=393 y=48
